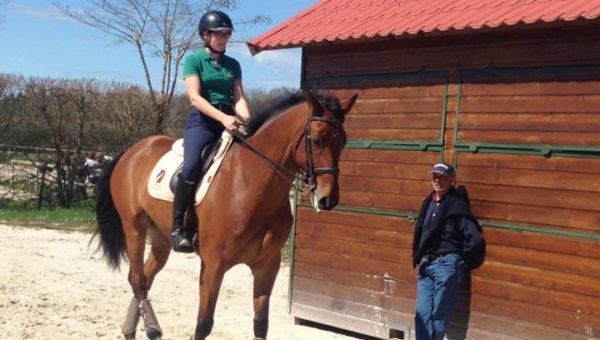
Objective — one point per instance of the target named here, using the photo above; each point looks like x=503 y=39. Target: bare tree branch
x=163 y=29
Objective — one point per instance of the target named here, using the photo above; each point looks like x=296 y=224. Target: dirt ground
x=52 y=286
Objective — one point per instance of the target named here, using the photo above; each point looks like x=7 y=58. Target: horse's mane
x=287 y=100
x=273 y=108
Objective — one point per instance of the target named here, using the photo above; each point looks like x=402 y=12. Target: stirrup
x=180 y=243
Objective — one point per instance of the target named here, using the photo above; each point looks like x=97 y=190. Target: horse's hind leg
x=135 y=234
x=264 y=274
x=159 y=254
x=160 y=250
x=211 y=278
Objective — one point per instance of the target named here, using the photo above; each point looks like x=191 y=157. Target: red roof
x=338 y=20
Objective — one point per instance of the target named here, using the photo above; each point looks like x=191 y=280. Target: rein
x=280 y=170
x=305 y=180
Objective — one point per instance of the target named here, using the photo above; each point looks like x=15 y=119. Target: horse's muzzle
x=327 y=203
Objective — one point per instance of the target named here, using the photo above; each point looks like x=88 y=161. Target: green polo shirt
x=216 y=81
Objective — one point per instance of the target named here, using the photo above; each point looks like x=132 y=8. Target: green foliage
x=286 y=252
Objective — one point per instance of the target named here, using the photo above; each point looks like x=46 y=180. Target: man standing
x=447 y=241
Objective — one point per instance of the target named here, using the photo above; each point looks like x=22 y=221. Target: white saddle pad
x=164 y=170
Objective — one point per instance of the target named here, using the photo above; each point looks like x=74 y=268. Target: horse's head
x=324 y=139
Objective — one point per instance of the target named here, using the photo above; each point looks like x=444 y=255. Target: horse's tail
x=110 y=228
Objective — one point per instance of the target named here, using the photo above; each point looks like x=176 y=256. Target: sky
x=36 y=39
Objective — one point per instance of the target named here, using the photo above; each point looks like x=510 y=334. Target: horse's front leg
x=264 y=274
x=211 y=277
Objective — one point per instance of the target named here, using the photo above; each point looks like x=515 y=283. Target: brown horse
x=244 y=218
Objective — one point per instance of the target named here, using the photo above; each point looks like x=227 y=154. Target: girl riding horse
x=244 y=218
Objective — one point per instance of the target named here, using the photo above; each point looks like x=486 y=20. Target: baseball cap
x=443 y=169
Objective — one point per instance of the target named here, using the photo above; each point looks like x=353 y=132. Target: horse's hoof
x=260 y=338
x=153 y=334
x=130 y=336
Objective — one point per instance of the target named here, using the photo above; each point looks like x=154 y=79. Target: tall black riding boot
x=184 y=193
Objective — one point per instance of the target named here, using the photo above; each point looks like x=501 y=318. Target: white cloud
x=268 y=69
x=38 y=12
x=284 y=60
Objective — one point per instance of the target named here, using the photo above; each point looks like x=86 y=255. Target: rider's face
x=217 y=39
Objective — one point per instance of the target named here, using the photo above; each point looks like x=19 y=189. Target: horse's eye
x=318 y=142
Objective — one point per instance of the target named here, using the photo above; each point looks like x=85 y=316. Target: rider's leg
x=198 y=133
x=184 y=193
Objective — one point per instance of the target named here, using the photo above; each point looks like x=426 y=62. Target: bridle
x=305 y=179
x=311 y=172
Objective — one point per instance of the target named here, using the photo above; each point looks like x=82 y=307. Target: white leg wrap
x=150 y=322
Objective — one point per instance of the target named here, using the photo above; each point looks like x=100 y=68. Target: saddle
x=163 y=178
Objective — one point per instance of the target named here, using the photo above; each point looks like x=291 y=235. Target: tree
x=258 y=98
x=9 y=102
x=67 y=109
x=164 y=29
x=127 y=116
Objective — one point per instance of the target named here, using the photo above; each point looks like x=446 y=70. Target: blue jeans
x=438 y=283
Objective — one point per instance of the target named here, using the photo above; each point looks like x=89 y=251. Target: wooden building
x=507 y=91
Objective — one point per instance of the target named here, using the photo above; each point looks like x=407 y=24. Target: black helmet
x=214 y=21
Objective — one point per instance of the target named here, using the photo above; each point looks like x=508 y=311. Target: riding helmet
x=214 y=21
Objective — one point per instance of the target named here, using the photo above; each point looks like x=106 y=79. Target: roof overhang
x=349 y=21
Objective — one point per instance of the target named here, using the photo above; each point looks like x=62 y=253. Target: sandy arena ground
x=53 y=287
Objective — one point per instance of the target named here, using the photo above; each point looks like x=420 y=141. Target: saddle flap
x=163 y=178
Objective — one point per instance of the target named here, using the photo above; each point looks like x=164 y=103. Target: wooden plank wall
x=353 y=270
x=523 y=47
x=354 y=265
x=560 y=105
x=526 y=272
x=531 y=287
x=385 y=179
x=396 y=113
x=378 y=178
x=552 y=106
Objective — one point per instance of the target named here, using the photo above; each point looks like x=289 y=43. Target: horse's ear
x=351 y=103
x=313 y=103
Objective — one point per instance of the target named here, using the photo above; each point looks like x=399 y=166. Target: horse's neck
x=278 y=138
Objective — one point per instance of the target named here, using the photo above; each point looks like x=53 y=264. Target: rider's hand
x=243 y=130
x=231 y=123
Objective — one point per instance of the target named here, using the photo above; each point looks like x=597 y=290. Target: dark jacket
x=455 y=221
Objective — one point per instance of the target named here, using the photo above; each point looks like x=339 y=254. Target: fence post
x=12 y=173
x=42 y=168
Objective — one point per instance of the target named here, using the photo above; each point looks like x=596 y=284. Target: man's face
x=441 y=183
